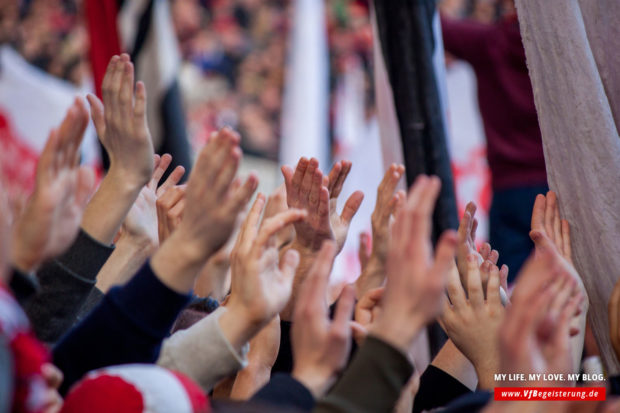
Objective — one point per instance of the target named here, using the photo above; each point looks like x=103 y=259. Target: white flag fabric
x=32 y=102
x=305 y=106
x=571 y=50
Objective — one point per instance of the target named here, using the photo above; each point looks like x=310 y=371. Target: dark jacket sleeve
x=93 y=299
x=65 y=283
x=473 y=402
x=127 y=326
x=466 y=39
x=437 y=389
x=372 y=383
x=286 y=392
x=24 y=286
x=614 y=385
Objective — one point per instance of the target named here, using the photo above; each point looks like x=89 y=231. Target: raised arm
x=121 y=124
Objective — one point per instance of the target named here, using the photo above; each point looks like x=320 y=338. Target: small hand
x=340 y=222
x=367 y=310
x=50 y=221
x=141 y=223
x=472 y=321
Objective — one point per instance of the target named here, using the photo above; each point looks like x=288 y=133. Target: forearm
x=128 y=326
x=203 y=352
x=65 y=283
x=249 y=381
x=373 y=381
x=306 y=259
x=177 y=263
x=453 y=362
x=127 y=258
x=108 y=208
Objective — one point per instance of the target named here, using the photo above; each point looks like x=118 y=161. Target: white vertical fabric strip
x=159 y=59
x=306 y=92
x=389 y=129
x=581 y=145
x=161 y=390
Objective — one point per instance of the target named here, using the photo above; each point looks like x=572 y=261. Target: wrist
x=238 y=326
x=398 y=334
x=314 y=381
x=124 y=179
x=23 y=261
x=138 y=246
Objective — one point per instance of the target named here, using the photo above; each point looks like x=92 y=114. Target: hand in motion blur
x=414 y=291
x=214 y=200
x=374 y=261
x=320 y=346
x=50 y=220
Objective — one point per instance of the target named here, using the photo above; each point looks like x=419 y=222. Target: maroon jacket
x=505 y=97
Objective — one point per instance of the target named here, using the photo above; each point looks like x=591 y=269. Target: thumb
x=96 y=113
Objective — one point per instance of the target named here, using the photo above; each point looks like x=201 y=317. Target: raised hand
x=373 y=270
x=414 y=291
x=535 y=336
x=305 y=189
x=141 y=223
x=320 y=346
x=213 y=203
x=261 y=283
x=472 y=321
x=121 y=122
x=340 y=222
x=549 y=230
x=170 y=206
x=50 y=221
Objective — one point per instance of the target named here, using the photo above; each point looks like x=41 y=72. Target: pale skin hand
x=366 y=311
x=141 y=221
x=50 y=220
x=552 y=233
x=138 y=236
x=535 y=336
x=261 y=283
x=472 y=322
x=415 y=280
x=213 y=204
x=121 y=125
x=373 y=267
x=320 y=346
x=340 y=222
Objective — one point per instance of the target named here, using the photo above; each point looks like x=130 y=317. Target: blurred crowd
x=234 y=54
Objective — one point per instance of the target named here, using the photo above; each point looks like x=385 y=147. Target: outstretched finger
x=174 y=178
x=249 y=228
x=538 y=213
x=550 y=209
x=332 y=177
x=344 y=312
x=352 y=206
x=271 y=226
x=342 y=177
x=474 y=283
x=160 y=167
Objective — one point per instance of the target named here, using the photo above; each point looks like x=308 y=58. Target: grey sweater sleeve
x=202 y=352
x=65 y=283
x=372 y=383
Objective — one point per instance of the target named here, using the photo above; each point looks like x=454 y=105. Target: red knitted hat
x=136 y=388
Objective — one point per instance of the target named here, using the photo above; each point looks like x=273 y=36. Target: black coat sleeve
x=65 y=283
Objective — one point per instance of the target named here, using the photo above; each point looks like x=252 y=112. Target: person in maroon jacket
x=514 y=144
